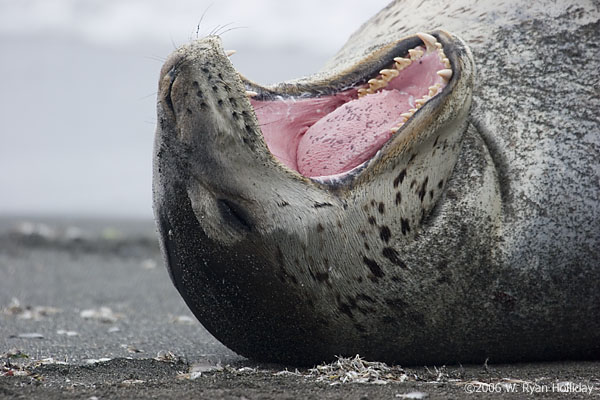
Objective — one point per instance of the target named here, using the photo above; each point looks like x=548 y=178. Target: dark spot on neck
x=397 y=304
x=392 y=255
x=385 y=234
x=423 y=189
x=399 y=178
x=364 y=297
x=345 y=308
x=405 y=226
x=398 y=198
x=374 y=268
x=322 y=276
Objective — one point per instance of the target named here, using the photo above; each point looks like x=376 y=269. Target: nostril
x=168 y=100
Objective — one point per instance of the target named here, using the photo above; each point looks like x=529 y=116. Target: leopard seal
x=466 y=227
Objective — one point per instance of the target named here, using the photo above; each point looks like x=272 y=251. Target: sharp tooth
x=415 y=54
x=421 y=101
x=251 y=93
x=446 y=74
x=412 y=110
x=402 y=60
x=429 y=40
x=389 y=74
x=407 y=115
x=375 y=84
x=362 y=92
x=433 y=90
x=446 y=62
x=395 y=129
x=438 y=45
x=402 y=63
x=229 y=53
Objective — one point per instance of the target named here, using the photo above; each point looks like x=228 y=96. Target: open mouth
x=334 y=134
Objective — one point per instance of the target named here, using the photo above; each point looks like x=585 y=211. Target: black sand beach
x=87 y=310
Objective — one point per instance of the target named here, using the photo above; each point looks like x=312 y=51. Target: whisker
x=222 y=27
x=216 y=28
x=156 y=58
x=147 y=96
x=202 y=18
x=233 y=29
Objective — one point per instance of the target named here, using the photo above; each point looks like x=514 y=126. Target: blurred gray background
x=79 y=78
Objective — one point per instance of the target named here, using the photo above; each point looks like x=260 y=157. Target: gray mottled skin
x=498 y=256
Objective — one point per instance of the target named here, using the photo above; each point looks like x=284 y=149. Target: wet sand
x=87 y=310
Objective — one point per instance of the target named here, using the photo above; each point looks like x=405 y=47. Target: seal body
x=472 y=235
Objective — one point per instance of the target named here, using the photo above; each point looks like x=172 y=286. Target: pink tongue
x=351 y=134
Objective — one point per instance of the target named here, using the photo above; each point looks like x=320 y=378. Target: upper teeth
x=430 y=41
x=446 y=74
x=415 y=54
x=389 y=74
x=400 y=63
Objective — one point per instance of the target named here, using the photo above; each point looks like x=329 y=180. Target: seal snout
x=202 y=94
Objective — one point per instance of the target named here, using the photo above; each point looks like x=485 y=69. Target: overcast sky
x=77 y=105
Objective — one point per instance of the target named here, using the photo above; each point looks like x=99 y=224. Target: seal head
x=291 y=216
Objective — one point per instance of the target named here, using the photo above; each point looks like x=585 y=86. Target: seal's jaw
x=329 y=128
x=334 y=128
x=331 y=134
